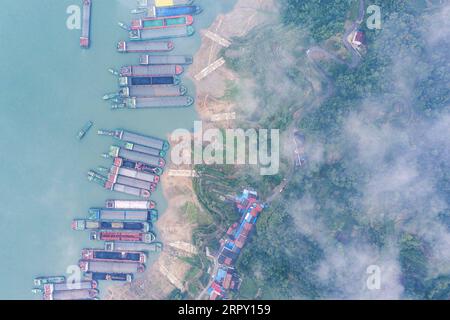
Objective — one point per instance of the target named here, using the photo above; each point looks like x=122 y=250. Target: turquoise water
x=49 y=89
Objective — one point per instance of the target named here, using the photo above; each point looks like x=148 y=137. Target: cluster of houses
x=226 y=278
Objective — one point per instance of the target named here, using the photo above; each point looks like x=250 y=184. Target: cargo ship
x=132 y=182
x=103 y=181
x=98 y=276
x=128 y=236
x=154 y=102
x=83 y=294
x=144 y=46
x=146 y=59
x=144 y=149
x=123 y=214
x=83 y=131
x=143 y=193
x=83 y=224
x=160 y=23
x=136 y=138
x=151 y=71
x=119 y=162
x=104 y=255
x=130 y=204
x=134 y=246
x=152 y=91
x=40 y=281
x=86 y=24
x=131 y=173
x=156 y=34
x=111 y=267
x=148 y=81
x=115 y=151
x=147 y=4
x=174 y=11
x=70 y=286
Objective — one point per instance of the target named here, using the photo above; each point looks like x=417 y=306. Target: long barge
x=151 y=71
x=123 y=214
x=159 y=23
x=136 y=156
x=147 y=4
x=111 y=267
x=144 y=149
x=99 y=276
x=154 y=102
x=146 y=59
x=83 y=224
x=152 y=91
x=157 y=34
x=139 y=166
x=143 y=193
x=147 y=81
x=133 y=246
x=83 y=294
x=70 y=286
x=132 y=182
x=144 y=46
x=135 y=174
x=103 y=181
x=86 y=24
x=104 y=255
x=40 y=281
x=174 y=11
x=136 y=138
x=129 y=204
x=127 y=236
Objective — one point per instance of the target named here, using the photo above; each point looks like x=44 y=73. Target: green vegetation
x=281 y=260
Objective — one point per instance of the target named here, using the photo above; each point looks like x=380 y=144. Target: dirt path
x=316 y=53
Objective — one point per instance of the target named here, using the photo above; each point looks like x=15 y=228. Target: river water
x=49 y=89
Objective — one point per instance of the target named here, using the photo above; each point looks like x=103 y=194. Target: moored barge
x=131 y=173
x=156 y=34
x=84 y=294
x=83 y=224
x=111 y=267
x=160 y=23
x=86 y=24
x=153 y=91
x=151 y=71
x=128 y=236
x=174 y=11
x=139 y=166
x=123 y=214
x=98 y=276
x=146 y=59
x=147 y=81
x=144 y=149
x=135 y=246
x=104 y=255
x=154 y=102
x=145 y=46
x=129 y=204
x=136 y=156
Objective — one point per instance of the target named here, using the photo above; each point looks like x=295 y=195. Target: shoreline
x=175 y=227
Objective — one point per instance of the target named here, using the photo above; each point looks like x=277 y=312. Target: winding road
x=314 y=53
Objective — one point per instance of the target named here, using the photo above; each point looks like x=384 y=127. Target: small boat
x=124 y=26
x=85 y=130
x=40 y=281
x=37 y=290
x=110 y=96
x=113 y=72
x=138 y=11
